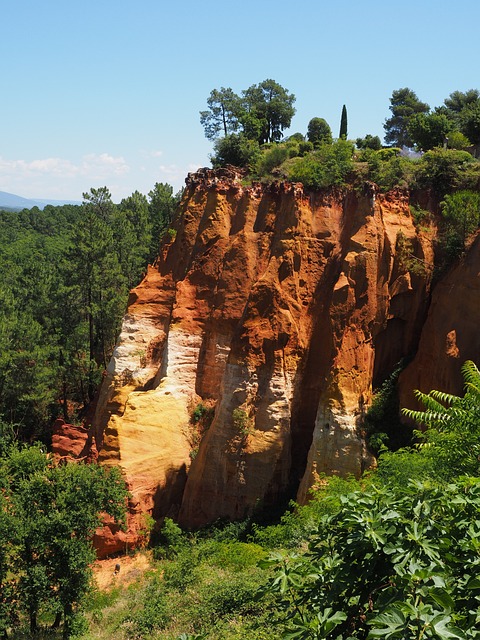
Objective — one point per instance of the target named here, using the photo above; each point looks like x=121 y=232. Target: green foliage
x=300 y=521
x=161 y=209
x=268 y=110
x=222 y=116
x=451 y=443
x=66 y=272
x=427 y=131
x=273 y=157
x=385 y=566
x=328 y=166
x=343 y=124
x=260 y=115
x=456 y=140
x=442 y=169
x=235 y=149
x=382 y=422
x=171 y=540
x=241 y=421
x=461 y=211
x=404 y=104
x=319 y=132
x=51 y=514
x=369 y=142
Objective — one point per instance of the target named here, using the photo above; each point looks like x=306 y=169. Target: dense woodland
x=393 y=555
x=66 y=273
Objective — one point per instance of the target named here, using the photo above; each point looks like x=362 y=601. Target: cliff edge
x=272 y=311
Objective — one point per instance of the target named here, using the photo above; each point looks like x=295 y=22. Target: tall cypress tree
x=343 y=124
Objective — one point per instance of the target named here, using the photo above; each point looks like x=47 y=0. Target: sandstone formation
x=72 y=443
x=451 y=333
x=281 y=309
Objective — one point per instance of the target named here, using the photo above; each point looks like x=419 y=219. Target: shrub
x=456 y=140
x=305 y=147
x=241 y=421
x=393 y=564
x=441 y=169
x=171 y=539
x=235 y=149
x=272 y=158
x=369 y=142
x=461 y=211
x=328 y=166
x=393 y=171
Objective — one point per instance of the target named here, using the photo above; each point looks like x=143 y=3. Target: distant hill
x=17 y=203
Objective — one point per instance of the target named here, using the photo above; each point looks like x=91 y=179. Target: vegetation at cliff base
x=48 y=515
x=393 y=555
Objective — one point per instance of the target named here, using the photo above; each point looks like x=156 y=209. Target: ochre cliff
x=451 y=333
x=278 y=308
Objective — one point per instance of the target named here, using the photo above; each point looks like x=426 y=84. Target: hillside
x=10 y=201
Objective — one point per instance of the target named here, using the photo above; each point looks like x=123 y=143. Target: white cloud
x=59 y=175
x=103 y=165
x=172 y=173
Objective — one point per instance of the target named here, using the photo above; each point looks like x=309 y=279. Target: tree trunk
x=33 y=621
x=67 y=624
x=57 y=621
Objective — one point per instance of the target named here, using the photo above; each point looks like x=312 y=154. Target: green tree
x=222 y=116
x=442 y=169
x=404 y=104
x=458 y=100
x=235 y=149
x=132 y=235
x=369 y=142
x=161 y=209
x=463 y=109
x=343 y=124
x=54 y=512
x=461 y=211
x=427 y=131
x=99 y=286
x=267 y=110
x=469 y=120
x=319 y=132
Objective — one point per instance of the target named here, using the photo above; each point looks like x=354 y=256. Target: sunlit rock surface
x=279 y=308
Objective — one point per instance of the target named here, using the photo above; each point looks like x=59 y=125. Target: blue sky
x=108 y=92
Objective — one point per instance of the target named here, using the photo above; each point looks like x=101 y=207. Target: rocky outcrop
x=451 y=333
x=72 y=443
x=280 y=309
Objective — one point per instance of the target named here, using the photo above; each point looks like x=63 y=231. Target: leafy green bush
x=328 y=166
x=273 y=157
x=153 y=614
x=442 y=169
x=391 y=172
x=300 y=522
x=237 y=150
x=394 y=564
x=461 y=211
x=171 y=540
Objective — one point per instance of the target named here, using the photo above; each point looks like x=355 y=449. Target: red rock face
x=451 y=333
x=72 y=443
x=278 y=308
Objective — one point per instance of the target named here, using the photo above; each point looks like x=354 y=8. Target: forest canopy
x=66 y=273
